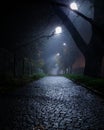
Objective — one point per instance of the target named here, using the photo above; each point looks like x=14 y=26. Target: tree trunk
x=23 y=67
x=93 y=63
x=14 y=66
x=95 y=51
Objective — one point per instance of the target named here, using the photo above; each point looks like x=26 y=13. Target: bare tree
x=94 y=51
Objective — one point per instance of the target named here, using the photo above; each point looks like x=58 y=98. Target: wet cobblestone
x=55 y=103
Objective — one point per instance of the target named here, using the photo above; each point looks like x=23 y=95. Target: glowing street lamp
x=74 y=6
x=58 y=30
x=64 y=44
x=58 y=54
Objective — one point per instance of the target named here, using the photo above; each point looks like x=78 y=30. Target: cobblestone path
x=52 y=103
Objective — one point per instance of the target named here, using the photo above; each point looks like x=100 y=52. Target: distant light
x=74 y=6
x=58 y=30
x=58 y=54
x=64 y=44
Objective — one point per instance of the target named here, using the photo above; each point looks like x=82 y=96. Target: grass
x=10 y=84
x=38 y=76
x=93 y=83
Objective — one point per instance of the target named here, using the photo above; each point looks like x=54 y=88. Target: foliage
x=38 y=76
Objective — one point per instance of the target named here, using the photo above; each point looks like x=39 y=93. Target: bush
x=38 y=76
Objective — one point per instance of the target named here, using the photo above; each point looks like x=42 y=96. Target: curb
x=93 y=90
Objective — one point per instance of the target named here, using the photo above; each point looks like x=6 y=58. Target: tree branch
x=73 y=31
